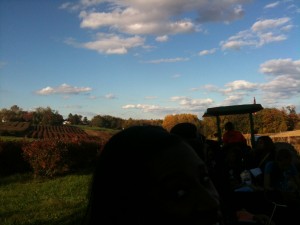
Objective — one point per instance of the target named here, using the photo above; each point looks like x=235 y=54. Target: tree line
x=268 y=120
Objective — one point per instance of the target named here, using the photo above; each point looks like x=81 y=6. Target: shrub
x=51 y=157
x=45 y=157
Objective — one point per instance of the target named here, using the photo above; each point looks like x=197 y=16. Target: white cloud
x=285 y=79
x=287 y=27
x=272 y=5
x=261 y=33
x=140 y=17
x=277 y=67
x=63 y=89
x=210 y=87
x=175 y=76
x=236 y=45
x=135 y=17
x=294 y=8
x=185 y=105
x=207 y=52
x=163 y=38
x=113 y=44
x=170 y=60
x=110 y=96
x=269 y=24
x=234 y=91
x=143 y=107
x=134 y=21
x=269 y=37
x=233 y=99
x=192 y=105
x=281 y=87
x=236 y=87
x=282 y=83
x=241 y=85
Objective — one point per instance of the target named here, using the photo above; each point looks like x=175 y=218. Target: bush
x=52 y=157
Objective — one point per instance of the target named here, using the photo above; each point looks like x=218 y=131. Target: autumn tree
x=46 y=116
x=75 y=119
x=292 y=118
x=171 y=120
x=85 y=120
x=107 y=122
x=209 y=126
x=140 y=122
x=272 y=121
x=13 y=114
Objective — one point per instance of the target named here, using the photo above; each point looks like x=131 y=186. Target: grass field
x=28 y=201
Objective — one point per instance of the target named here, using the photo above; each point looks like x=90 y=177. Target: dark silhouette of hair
x=190 y=133
x=185 y=130
x=229 y=126
x=268 y=146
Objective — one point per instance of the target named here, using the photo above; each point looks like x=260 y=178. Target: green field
x=25 y=200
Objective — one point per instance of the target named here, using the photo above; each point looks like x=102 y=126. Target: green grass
x=86 y=127
x=28 y=201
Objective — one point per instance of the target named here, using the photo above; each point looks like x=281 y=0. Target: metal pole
x=252 y=130
x=219 y=129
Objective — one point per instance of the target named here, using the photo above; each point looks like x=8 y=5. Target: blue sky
x=147 y=59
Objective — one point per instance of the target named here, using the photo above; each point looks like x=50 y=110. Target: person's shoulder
x=269 y=166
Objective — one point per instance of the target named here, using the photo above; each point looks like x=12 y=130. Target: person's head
x=265 y=144
x=145 y=175
x=190 y=133
x=185 y=130
x=229 y=126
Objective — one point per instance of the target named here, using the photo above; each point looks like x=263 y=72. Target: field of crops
x=24 y=129
x=14 y=128
x=41 y=132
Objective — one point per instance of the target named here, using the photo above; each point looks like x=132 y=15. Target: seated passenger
x=282 y=185
x=147 y=176
x=232 y=136
x=190 y=133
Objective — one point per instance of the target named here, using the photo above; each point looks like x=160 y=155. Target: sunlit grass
x=28 y=201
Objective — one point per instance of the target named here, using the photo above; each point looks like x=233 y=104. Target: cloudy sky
x=147 y=59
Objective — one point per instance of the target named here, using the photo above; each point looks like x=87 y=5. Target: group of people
x=146 y=175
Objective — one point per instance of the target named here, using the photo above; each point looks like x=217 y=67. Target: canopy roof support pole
x=219 y=129
x=252 y=130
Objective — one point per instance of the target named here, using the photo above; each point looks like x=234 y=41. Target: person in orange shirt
x=232 y=136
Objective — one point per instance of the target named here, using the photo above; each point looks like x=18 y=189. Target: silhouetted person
x=190 y=133
x=282 y=183
x=147 y=176
x=263 y=152
x=232 y=136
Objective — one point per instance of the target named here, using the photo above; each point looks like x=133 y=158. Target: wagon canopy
x=232 y=110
